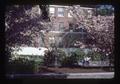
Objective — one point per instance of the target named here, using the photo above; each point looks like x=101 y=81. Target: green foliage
x=61 y=55
x=73 y=59
x=80 y=54
x=24 y=61
x=96 y=56
x=21 y=65
x=90 y=54
x=70 y=61
x=49 y=58
x=37 y=65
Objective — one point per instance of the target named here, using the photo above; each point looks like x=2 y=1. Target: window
x=89 y=13
x=61 y=26
x=52 y=11
x=61 y=12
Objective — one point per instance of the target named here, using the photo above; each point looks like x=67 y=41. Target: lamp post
x=56 y=63
x=52 y=39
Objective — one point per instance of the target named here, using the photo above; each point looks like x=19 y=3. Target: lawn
x=72 y=70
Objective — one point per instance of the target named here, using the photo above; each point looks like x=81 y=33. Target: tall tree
x=23 y=25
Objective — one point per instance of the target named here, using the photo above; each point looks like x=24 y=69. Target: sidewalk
x=100 y=75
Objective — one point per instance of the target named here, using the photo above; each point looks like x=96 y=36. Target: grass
x=73 y=70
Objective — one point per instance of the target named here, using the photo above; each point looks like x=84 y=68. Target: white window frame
x=52 y=11
x=61 y=12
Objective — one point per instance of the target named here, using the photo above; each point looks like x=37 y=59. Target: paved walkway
x=100 y=75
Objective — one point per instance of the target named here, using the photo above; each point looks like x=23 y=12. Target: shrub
x=70 y=61
x=74 y=58
x=96 y=56
x=80 y=54
x=90 y=54
x=21 y=65
x=49 y=58
x=61 y=55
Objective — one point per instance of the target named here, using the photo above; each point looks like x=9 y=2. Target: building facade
x=59 y=33
x=61 y=16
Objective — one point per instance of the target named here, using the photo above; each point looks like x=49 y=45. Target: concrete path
x=100 y=75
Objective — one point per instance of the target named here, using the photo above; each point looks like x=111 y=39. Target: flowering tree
x=100 y=29
x=23 y=23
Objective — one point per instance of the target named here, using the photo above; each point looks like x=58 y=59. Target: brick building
x=61 y=16
x=59 y=32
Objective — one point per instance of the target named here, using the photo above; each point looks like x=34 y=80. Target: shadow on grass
x=43 y=73
x=47 y=73
x=45 y=70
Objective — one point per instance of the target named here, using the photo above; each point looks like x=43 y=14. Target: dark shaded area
x=38 y=76
x=18 y=21
x=45 y=12
x=44 y=69
x=104 y=10
x=54 y=58
x=20 y=66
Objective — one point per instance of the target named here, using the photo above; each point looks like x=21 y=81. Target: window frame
x=60 y=13
x=52 y=12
